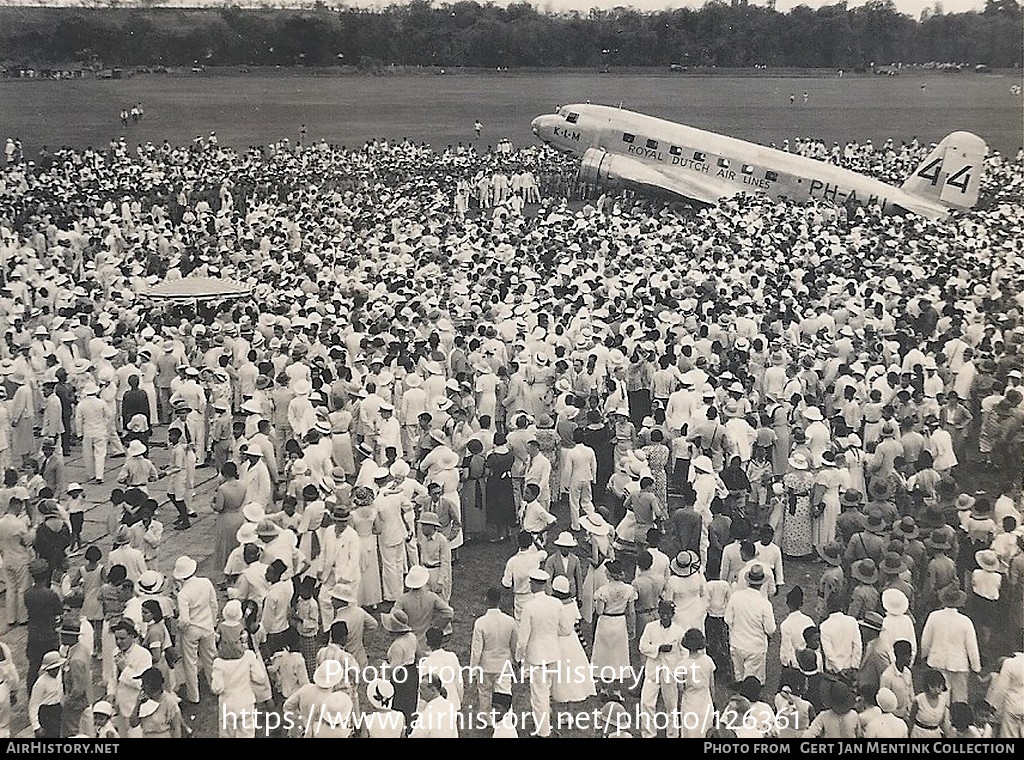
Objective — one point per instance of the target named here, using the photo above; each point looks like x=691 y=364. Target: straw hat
x=684 y=564
x=798 y=461
x=594 y=524
x=987 y=560
x=380 y=694
x=865 y=571
x=395 y=621
x=417 y=577
x=151 y=581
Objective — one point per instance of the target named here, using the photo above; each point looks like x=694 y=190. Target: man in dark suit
x=682 y=532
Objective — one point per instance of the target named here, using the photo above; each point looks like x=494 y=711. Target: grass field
x=257 y=108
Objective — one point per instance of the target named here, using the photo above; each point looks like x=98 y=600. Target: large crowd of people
x=660 y=423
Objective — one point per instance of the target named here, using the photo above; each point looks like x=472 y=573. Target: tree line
x=469 y=34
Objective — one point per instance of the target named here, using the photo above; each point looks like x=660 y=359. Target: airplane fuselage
x=721 y=166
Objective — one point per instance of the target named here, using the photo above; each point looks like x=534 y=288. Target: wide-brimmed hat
x=122 y=537
x=395 y=621
x=340 y=513
x=895 y=602
x=328 y=674
x=51 y=661
x=798 y=461
x=595 y=524
x=103 y=707
x=253 y=511
x=683 y=564
x=906 y=528
x=865 y=571
x=987 y=560
x=831 y=553
x=151 y=581
x=184 y=568
x=881 y=489
x=566 y=540
x=267 y=530
x=964 y=502
x=756 y=576
x=246 y=534
x=851 y=498
x=136 y=448
x=429 y=518
x=876 y=523
x=938 y=540
x=952 y=596
x=871 y=620
x=417 y=577
x=893 y=564
x=342 y=593
x=380 y=694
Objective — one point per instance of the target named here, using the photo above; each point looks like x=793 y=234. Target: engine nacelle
x=598 y=168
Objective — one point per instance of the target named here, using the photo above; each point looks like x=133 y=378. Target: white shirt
x=841 y=643
x=436 y=721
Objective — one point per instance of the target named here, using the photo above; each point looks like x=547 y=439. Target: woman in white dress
x=599 y=532
x=614 y=606
x=687 y=589
x=574 y=682
x=237 y=675
x=695 y=703
x=365 y=520
x=148 y=382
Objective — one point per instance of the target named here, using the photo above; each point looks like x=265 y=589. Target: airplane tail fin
x=951 y=174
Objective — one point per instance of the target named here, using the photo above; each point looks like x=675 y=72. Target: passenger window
x=627 y=137
x=771 y=176
x=652 y=144
x=698 y=156
x=723 y=163
x=748 y=169
x=572 y=118
x=675 y=150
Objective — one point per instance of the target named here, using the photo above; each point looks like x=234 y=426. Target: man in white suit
x=537 y=648
x=580 y=475
x=341 y=561
x=949 y=642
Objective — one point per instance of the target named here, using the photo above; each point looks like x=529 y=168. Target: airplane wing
x=599 y=167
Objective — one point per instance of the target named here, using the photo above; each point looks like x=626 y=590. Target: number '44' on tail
x=951 y=174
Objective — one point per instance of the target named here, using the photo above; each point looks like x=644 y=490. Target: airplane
x=622 y=148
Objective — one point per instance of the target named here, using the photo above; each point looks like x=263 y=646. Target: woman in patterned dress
x=550 y=447
x=797 y=515
x=657 y=459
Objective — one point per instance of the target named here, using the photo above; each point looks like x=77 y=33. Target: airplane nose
x=535 y=125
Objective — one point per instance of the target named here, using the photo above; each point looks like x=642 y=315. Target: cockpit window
x=572 y=118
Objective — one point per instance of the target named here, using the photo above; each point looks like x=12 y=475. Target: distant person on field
x=478 y=127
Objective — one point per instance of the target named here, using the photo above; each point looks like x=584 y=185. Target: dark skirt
x=49 y=720
x=499 y=502
x=718 y=648
x=639 y=406
x=405 y=679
